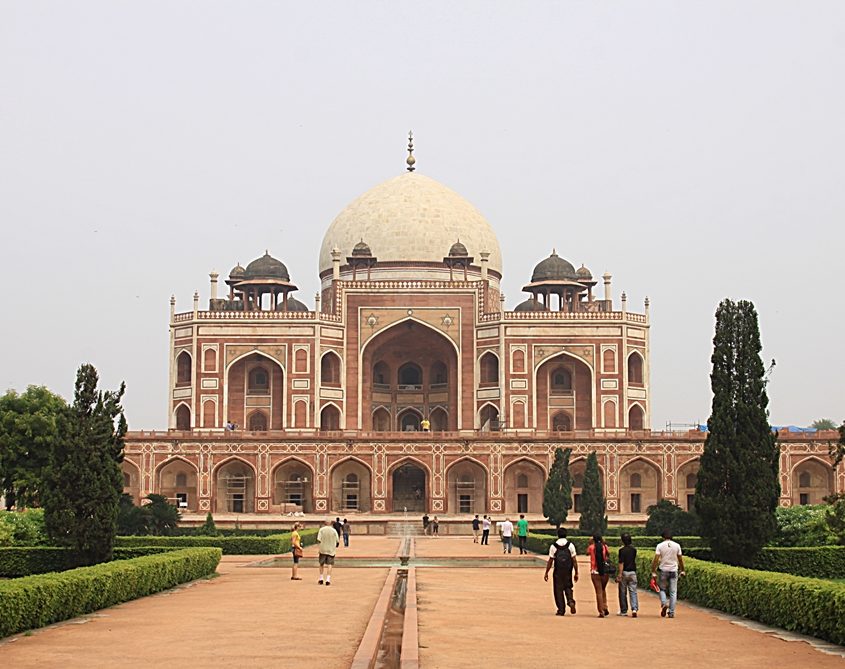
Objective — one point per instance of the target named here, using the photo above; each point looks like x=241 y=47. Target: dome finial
x=410 y=159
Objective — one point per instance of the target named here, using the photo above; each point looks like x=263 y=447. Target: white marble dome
x=411 y=218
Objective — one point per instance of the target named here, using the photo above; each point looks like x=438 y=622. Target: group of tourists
x=328 y=541
x=431 y=526
x=666 y=567
x=507 y=531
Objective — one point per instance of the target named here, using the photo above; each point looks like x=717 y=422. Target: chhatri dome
x=411 y=218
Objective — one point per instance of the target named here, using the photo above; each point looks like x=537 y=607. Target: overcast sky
x=693 y=149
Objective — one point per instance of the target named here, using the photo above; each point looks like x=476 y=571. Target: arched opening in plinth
x=293 y=487
x=685 y=482
x=577 y=469
x=409 y=487
x=564 y=388
x=409 y=365
x=381 y=420
x=234 y=485
x=177 y=481
x=131 y=481
x=524 y=481
x=409 y=420
x=351 y=487
x=439 y=420
x=466 y=482
x=639 y=486
x=812 y=481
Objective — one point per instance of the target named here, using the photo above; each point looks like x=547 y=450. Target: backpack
x=563 y=558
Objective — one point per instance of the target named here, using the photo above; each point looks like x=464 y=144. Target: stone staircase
x=401 y=528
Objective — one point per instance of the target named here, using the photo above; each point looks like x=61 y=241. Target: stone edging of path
x=784 y=635
x=369 y=646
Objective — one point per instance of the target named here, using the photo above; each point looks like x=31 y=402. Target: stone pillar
x=336 y=263
x=213 y=276
x=485 y=260
x=608 y=297
x=624 y=302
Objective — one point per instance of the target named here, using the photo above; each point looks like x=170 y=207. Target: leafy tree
x=837 y=448
x=824 y=424
x=131 y=519
x=29 y=426
x=557 y=495
x=208 y=528
x=593 y=506
x=22 y=528
x=738 y=489
x=162 y=515
x=666 y=515
x=802 y=525
x=835 y=516
x=83 y=481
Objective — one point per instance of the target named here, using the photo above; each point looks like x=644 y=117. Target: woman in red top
x=599 y=560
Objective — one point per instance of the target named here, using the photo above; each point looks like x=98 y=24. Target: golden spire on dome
x=410 y=159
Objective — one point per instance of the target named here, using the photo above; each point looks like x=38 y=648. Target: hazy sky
x=693 y=149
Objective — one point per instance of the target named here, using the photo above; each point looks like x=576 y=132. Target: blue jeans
x=346 y=540
x=668 y=580
x=628 y=587
x=507 y=543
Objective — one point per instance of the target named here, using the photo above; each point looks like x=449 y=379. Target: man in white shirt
x=328 y=540
x=667 y=561
x=562 y=556
x=507 y=535
x=485 y=531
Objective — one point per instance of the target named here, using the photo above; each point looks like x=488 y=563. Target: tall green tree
x=83 y=481
x=824 y=424
x=837 y=448
x=29 y=426
x=593 y=504
x=557 y=494
x=163 y=516
x=738 y=489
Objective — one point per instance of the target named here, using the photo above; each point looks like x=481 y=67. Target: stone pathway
x=252 y=616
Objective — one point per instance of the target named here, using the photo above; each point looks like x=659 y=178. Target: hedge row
x=539 y=543
x=814 y=562
x=35 y=601
x=272 y=545
x=19 y=561
x=806 y=605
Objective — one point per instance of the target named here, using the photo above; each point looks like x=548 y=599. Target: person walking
x=327 y=541
x=345 y=528
x=476 y=526
x=626 y=577
x=506 y=529
x=562 y=557
x=338 y=527
x=665 y=566
x=485 y=531
x=296 y=550
x=435 y=526
x=600 y=570
x=522 y=533
x=425 y=523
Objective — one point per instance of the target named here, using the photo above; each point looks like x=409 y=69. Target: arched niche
x=183 y=417
x=255 y=381
x=488 y=418
x=131 y=480
x=439 y=420
x=177 y=481
x=466 y=482
x=639 y=486
x=635 y=369
x=812 y=481
x=234 y=487
x=330 y=370
x=685 y=482
x=330 y=418
x=351 y=482
x=293 y=487
x=523 y=483
x=488 y=367
x=572 y=392
x=409 y=487
x=636 y=418
x=184 y=369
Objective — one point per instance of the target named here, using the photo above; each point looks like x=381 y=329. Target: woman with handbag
x=296 y=549
x=600 y=569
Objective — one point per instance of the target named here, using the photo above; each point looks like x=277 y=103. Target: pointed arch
x=811 y=479
x=184 y=368
x=331 y=417
x=292 y=480
x=636 y=365
x=439 y=419
x=351 y=485
x=584 y=393
x=409 y=481
x=640 y=485
x=488 y=417
x=409 y=419
x=182 y=416
x=636 y=417
x=131 y=480
x=331 y=369
x=235 y=389
x=234 y=492
x=466 y=486
x=181 y=493
x=488 y=370
x=523 y=482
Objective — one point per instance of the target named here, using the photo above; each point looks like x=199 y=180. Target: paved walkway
x=252 y=616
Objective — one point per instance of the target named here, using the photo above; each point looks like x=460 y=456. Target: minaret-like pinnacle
x=410 y=159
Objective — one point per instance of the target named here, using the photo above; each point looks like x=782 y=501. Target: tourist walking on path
x=345 y=528
x=626 y=577
x=425 y=523
x=562 y=557
x=600 y=570
x=485 y=531
x=522 y=533
x=506 y=529
x=328 y=542
x=296 y=550
x=666 y=564
x=338 y=527
x=435 y=526
x=476 y=525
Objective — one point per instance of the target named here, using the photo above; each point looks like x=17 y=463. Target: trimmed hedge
x=272 y=545
x=812 y=562
x=539 y=543
x=35 y=601
x=806 y=605
x=24 y=561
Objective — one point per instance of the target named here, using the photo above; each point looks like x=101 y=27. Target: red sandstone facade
x=275 y=407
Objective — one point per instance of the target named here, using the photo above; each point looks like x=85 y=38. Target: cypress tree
x=84 y=482
x=593 y=507
x=738 y=489
x=557 y=494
